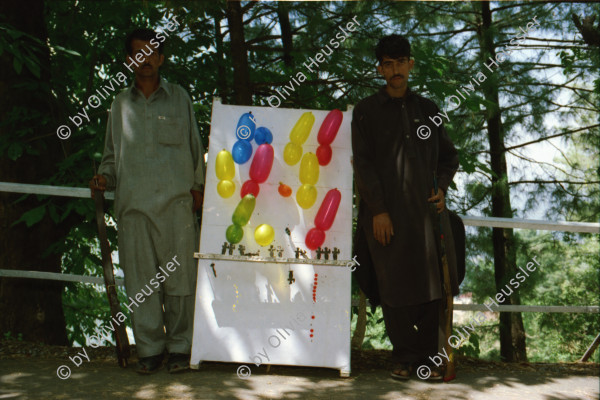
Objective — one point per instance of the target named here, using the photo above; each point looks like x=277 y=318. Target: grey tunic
x=153 y=157
x=394 y=173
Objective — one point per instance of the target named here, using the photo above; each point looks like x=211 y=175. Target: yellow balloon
x=264 y=234
x=301 y=130
x=309 y=169
x=292 y=153
x=306 y=196
x=224 y=166
x=225 y=188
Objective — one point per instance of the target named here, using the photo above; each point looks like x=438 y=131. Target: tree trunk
x=239 y=54
x=361 y=322
x=286 y=33
x=221 y=72
x=29 y=307
x=512 y=333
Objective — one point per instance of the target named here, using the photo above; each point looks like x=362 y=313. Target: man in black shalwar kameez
x=394 y=169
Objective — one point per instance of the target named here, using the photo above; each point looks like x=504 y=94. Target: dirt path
x=29 y=371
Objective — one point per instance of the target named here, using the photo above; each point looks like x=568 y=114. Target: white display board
x=274 y=313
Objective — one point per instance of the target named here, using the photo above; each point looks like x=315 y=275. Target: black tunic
x=394 y=171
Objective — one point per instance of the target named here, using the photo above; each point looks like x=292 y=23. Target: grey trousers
x=163 y=318
x=161 y=322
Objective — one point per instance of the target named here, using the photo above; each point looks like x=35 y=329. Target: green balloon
x=244 y=210
x=234 y=234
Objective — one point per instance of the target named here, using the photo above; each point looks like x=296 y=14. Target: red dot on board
x=316 y=274
x=313 y=317
x=312 y=330
x=311 y=335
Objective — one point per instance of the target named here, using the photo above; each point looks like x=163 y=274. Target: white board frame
x=248 y=308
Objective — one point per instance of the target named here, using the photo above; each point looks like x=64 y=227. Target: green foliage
x=25 y=49
x=376 y=336
x=470 y=347
x=85 y=305
x=9 y=336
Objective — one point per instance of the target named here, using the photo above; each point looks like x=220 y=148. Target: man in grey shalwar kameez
x=394 y=169
x=154 y=160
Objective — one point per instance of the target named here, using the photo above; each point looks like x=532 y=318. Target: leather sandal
x=178 y=362
x=149 y=365
x=401 y=371
x=437 y=374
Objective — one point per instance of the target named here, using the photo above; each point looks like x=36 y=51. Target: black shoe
x=149 y=365
x=178 y=362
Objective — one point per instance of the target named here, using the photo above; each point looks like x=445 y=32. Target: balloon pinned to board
x=259 y=169
x=284 y=190
x=244 y=210
x=250 y=187
x=225 y=188
x=234 y=234
x=309 y=169
x=306 y=196
x=327 y=133
x=292 y=153
x=330 y=126
x=300 y=132
x=240 y=218
x=324 y=219
x=314 y=238
x=262 y=163
x=242 y=151
x=309 y=175
x=324 y=154
x=263 y=135
x=264 y=234
x=225 y=171
x=246 y=127
x=328 y=210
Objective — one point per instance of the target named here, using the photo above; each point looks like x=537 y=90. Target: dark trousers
x=413 y=330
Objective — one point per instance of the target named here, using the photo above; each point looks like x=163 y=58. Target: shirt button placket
x=404 y=115
x=147 y=131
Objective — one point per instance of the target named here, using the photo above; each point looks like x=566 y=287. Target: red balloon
x=328 y=210
x=330 y=126
x=314 y=238
x=250 y=187
x=324 y=154
x=262 y=163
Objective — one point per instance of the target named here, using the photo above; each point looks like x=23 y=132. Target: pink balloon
x=314 y=238
x=324 y=154
x=262 y=163
x=328 y=210
x=250 y=187
x=330 y=126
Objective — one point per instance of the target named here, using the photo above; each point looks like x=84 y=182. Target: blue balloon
x=242 y=151
x=245 y=127
x=263 y=135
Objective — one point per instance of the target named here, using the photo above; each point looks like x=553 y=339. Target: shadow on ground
x=29 y=371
